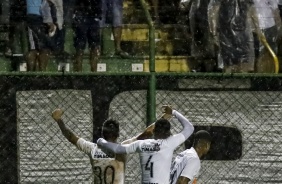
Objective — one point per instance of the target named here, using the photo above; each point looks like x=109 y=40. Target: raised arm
x=188 y=128
x=57 y=116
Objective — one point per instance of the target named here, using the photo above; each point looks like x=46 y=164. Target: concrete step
x=135 y=40
x=111 y=64
x=168 y=12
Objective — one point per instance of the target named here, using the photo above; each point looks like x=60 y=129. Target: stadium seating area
x=172 y=53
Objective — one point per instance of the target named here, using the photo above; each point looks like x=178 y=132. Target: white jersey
x=265 y=12
x=106 y=169
x=186 y=164
x=156 y=157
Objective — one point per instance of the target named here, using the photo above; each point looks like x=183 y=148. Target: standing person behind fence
x=40 y=24
x=199 y=25
x=112 y=15
x=106 y=167
x=186 y=166
x=280 y=7
x=57 y=10
x=232 y=33
x=86 y=20
x=269 y=23
x=17 y=32
x=155 y=154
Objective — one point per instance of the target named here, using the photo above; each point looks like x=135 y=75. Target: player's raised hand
x=57 y=114
x=167 y=109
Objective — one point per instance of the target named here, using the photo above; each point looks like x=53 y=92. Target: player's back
x=107 y=169
x=155 y=159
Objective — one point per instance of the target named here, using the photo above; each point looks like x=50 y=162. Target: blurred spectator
x=165 y=11
x=17 y=32
x=155 y=4
x=62 y=16
x=87 y=16
x=112 y=12
x=280 y=7
x=232 y=32
x=268 y=23
x=199 y=25
x=5 y=13
x=4 y=24
x=280 y=39
x=183 y=31
x=40 y=26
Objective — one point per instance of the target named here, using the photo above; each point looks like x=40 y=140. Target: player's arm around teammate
x=148 y=132
x=187 y=130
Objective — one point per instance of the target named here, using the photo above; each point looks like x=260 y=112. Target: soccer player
x=186 y=166
x=107 y=168
x=155 y=154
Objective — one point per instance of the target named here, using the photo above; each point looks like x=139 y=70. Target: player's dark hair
x=110 y=129
x=162 y=128
x=202 y=135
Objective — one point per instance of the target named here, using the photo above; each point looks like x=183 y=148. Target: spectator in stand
x=17 y=32
x=66 y=20
x=112 y=12
x=280 y=39
x=165 y=12
x=155 y=4
x=57 y=11
x=4 y=24
x=40 y=28
x=267 y=21
x=280 y=7
x=199 y=26
x=232 y=32
x=86 y=20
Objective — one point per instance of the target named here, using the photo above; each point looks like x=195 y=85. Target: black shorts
x=86 y=29
x=37 y=33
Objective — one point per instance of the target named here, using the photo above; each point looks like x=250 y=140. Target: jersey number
x=98 y=173
x=149 y=166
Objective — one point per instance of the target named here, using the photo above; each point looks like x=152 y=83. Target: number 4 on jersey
x=149 y=166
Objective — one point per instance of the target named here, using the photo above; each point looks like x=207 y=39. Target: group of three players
x=155 y=147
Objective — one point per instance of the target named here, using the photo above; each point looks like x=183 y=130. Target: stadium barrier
x=242 y=113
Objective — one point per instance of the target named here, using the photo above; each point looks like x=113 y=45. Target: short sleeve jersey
x=106 y=169
x=156 y=157
x=186 y=164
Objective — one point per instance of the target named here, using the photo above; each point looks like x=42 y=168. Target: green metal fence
x=242 y=113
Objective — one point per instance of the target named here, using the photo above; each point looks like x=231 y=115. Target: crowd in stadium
x=232 y=31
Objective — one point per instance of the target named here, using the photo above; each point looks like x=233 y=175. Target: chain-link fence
x=242 y=114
